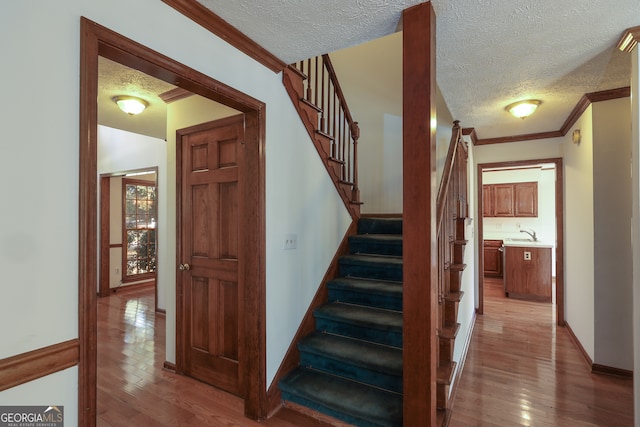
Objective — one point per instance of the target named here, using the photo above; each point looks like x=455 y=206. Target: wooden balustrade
x=322 y=90
x=451 y=211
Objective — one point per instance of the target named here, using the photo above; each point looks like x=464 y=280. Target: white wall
x=40 y=234
x=613 y=271
x=579 y=229
x=635 y=225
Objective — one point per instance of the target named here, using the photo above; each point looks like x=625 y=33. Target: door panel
x=209 y=230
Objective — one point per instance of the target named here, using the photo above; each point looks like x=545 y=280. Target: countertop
x=518 y=241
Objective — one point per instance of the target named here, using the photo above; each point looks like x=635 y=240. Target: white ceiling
x=489 y=53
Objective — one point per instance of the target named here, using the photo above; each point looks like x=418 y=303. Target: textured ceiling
x=115 y=79
x=489 y=52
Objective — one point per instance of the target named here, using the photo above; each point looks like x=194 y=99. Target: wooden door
x=209 y=288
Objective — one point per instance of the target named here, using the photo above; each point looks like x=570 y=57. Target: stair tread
x=373 y=356
x=445 y=373
x=449 y=331
x=345 y=399
x=361 y=315
x=373 y=259
x=383 y=237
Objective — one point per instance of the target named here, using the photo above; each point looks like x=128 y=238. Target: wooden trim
x=559 y=195
x=517 y=138
x=136 y=287
x=29 y=366
x=171 y=367
x=463 y=359
x=480 y=241
x=609 y=370
x=420 y=305
x=105 y=235
x=575 y=114
x=221 y=28
x=588 y=99
x=629 y=39
x=174 y=95
x=307 y=325
x=381 y=215
x=115 y=245
x=578 y=344
x=97 y=40
x=471 y=132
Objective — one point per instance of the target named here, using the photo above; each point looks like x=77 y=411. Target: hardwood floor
x=520 y=371
x=135 y=390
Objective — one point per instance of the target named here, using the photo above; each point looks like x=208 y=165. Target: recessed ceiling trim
x=221 y=28
x=174 y=95
x=629 y=39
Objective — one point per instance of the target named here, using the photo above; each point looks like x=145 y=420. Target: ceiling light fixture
x=523 y=109
x=130 y=104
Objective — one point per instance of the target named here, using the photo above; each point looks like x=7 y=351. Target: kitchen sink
x=519 y=240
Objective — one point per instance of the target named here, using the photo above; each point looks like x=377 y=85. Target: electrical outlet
x=117 y=270
x=290 y=241
x=527 y=256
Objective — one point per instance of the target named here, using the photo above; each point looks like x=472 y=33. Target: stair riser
x=358 y=373
x=326 y=410
x=379 y=226
x=387 y=337
x=367 y=299
x=375 y=248
x=372 y=271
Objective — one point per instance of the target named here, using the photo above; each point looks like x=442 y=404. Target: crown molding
x=584 y=102
x=221 y=28
x=629 y=39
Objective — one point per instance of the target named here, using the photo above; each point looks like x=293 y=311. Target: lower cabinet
x=527 y=272
x=493 y=258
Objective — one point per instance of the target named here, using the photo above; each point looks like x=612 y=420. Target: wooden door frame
x=96 y=40
x=559 y=200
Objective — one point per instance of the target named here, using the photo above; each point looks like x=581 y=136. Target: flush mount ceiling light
x=523 y=109
x=130 y=104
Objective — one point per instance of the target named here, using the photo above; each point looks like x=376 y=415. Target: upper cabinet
x=510 y=200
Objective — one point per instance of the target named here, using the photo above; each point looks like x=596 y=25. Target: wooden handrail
x=456 y=140
x=322 y=90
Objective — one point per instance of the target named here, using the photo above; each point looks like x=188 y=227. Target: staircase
x=351 y=365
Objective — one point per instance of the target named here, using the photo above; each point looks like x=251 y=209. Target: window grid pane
x=139 y=222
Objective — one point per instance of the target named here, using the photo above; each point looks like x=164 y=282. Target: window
x=139 y=228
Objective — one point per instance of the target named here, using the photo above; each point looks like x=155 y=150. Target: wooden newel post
x=355 y=134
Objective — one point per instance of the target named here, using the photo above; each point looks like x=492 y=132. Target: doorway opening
x=97 y=41
x=520 y=231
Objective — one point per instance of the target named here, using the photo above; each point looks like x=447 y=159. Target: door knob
x=184 y=267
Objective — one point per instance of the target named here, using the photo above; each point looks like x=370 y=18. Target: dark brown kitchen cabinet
x=493 y=258
x=510 y=200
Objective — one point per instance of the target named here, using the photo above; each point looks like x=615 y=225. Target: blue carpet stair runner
x=351 y=366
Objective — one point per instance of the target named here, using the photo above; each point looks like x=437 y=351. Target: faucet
x=532 y=234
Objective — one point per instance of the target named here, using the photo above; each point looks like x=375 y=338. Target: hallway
x=520 y=371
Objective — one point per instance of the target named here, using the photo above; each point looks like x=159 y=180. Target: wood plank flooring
x=521 y=371
x=135 y=390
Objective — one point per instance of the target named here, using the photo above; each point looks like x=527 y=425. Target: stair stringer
x=293 y=82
